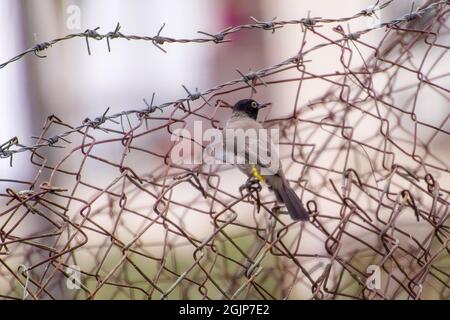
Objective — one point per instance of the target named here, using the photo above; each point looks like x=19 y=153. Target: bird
x=259 y=147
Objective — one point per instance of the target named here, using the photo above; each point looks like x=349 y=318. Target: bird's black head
x=249 y=107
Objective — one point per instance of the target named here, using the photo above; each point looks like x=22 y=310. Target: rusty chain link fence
x=370 y=166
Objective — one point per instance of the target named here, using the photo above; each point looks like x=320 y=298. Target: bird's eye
x=254 y=104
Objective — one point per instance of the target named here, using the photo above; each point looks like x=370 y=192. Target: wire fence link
x=369 y=167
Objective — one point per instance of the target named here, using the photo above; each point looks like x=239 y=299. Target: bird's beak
x=263 y=105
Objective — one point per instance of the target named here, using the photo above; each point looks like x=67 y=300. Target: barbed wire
x=375 y=187
x=159 y=40
x=5 y=149
x=7 y=152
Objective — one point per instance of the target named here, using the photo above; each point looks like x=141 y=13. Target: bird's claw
x=251 y=185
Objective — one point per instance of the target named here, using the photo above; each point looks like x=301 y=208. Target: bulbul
x=257 y=148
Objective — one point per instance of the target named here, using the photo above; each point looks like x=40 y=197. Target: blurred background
x=74 y=85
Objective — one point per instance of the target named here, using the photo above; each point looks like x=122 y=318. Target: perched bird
x=260 y=148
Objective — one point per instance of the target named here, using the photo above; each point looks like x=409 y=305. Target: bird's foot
x=251 y=185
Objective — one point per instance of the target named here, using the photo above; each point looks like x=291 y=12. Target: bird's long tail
x=293 y=203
